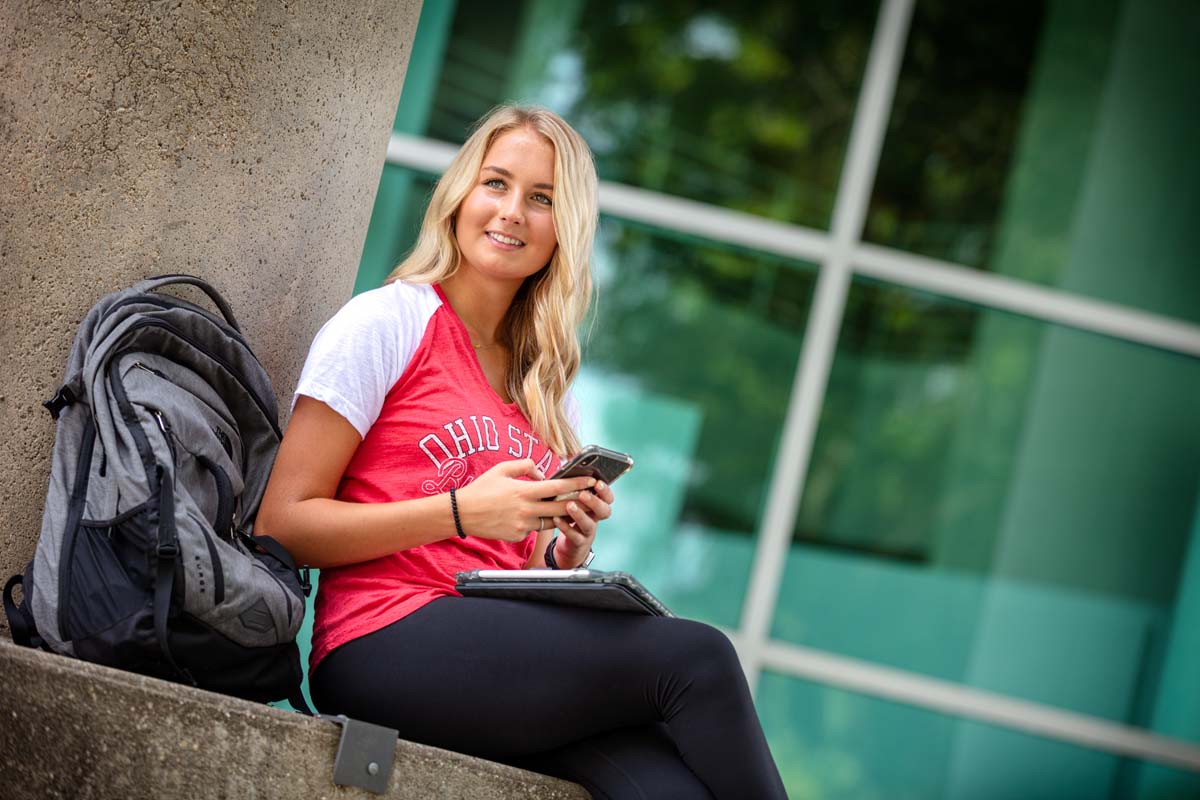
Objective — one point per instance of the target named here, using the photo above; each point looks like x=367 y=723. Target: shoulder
x=388 y=321
x=393 y=303
x=360 y=353
x=570 y=408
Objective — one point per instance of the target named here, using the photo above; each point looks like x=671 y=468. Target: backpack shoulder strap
x=167 y=552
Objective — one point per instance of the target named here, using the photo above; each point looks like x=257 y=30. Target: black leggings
x=626 y=705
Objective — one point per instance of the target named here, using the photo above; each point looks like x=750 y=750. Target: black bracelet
x=549 y=558
x=454 y=510
x=552 y=563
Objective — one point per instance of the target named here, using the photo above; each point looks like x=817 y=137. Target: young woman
x=427 y=417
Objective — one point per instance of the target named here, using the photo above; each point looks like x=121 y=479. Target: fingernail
x=600 y=486
x=591 y=481
x=571 y=507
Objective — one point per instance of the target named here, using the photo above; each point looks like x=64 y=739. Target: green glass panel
x=396 y=220
x=304 y=641
x=1001 y=502
x=744 y=105
x=399 y=208
x=688 y=365
x=833 y=744
x=1052 y=142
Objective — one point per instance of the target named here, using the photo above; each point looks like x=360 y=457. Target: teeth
x=499 y=237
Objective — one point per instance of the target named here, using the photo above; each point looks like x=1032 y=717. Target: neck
x=481 y=305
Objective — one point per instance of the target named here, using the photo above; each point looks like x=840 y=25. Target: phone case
x=607 y=465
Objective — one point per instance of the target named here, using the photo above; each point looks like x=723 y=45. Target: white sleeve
x=359 y=354
x=571 y=410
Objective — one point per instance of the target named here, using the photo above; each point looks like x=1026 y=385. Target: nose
x=511 y=210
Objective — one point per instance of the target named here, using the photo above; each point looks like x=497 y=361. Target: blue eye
x=543 y=199
x=494 y=183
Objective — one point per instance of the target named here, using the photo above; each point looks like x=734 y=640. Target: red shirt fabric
x=440 y=426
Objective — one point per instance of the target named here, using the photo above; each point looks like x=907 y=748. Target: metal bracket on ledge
x=365 y=754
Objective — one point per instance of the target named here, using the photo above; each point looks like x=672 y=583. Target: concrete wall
x=75 y=730
x=240 y=141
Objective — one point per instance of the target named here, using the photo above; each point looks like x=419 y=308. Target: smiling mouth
x=505 y=240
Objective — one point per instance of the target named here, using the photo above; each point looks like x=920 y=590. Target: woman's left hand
x=584 y=514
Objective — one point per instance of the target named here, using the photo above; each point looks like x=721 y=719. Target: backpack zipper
x=152 y=371
x=71 y=534
x=166 y=432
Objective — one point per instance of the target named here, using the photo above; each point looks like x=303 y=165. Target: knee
x=705 y=654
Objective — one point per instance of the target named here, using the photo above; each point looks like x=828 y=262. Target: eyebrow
x=508 y=174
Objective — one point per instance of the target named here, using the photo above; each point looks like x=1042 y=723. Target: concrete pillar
x=241 y=141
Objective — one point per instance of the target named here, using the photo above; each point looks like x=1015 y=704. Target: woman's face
x=505 y=225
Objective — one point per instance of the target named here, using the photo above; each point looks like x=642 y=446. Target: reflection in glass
x=395 y=222
x=695 y=346
x=1005 y=503
x=1052 y=142
x=839 y=745
x=745 y=105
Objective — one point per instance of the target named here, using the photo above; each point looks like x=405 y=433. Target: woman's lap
x=501 y=677
x=512 y=681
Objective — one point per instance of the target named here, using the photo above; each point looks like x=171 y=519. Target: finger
x=551 y=508
x=597 y=508
x=557 y=486
x=583 y=520
x=569 y=529
x=516 y=469
x=605 y=491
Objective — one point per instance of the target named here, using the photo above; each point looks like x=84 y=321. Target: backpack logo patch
x=257 y=617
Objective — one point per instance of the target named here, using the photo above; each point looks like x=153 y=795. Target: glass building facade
x=900 y=317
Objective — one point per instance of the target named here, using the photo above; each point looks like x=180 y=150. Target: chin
x=500 y=270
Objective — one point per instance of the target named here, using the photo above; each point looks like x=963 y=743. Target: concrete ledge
x=73 y=729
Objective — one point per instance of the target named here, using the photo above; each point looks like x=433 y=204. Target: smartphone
x=596 y=462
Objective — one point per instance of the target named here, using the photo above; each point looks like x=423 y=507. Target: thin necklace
x=484 y=346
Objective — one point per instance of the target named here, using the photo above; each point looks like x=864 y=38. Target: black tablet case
x=586 y=588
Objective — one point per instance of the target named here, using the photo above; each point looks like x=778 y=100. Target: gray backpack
x=167 y=430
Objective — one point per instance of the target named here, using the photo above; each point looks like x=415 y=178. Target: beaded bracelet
x=454 y=510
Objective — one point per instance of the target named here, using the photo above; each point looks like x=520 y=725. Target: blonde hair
x=540 y=326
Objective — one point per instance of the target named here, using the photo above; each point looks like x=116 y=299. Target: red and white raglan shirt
x=398 y=364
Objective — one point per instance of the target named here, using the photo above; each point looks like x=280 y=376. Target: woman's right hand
x=500 y=505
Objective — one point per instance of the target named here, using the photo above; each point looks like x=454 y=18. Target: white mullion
x=968 y=702
x=954 y=281
x=713 y=222
x=791 y=465
x=1031 y=300
x=821 y=334
x=664 y=211
x=947 y=697
x=419 y=153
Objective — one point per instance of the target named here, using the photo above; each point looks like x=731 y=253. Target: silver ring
x=541 y=523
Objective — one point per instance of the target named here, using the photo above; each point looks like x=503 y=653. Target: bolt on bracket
x=365 y=754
